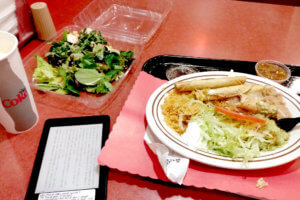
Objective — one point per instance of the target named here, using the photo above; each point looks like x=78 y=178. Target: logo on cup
x=7 y=103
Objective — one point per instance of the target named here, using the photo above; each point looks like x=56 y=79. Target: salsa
x=272 y=71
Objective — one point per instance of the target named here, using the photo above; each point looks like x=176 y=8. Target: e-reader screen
x=68 y=168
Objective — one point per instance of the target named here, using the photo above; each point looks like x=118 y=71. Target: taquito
x=185 y=86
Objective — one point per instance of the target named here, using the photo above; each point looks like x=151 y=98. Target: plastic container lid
x=131 y=21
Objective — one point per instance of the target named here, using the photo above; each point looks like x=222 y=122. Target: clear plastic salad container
x=131 y=21
x=126 y=25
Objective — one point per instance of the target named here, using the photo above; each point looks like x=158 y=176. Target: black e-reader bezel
x=56 y=122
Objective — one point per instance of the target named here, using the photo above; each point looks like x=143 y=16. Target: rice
x=177 y=109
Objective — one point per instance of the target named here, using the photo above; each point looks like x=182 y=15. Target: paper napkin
x=174 y=165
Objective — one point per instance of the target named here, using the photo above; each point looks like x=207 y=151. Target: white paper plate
x=167 y=136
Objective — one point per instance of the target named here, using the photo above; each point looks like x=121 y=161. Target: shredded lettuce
x=234 y=138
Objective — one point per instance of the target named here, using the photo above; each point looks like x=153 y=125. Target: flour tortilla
x=225 y=92
x=254 y=98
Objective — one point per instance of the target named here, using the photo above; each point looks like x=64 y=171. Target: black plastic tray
x=157 y=66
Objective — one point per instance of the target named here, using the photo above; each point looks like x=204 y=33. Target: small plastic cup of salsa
x=273 y=70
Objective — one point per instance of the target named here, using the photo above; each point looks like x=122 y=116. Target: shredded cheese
x=261 y=183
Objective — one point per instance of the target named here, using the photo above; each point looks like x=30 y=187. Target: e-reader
x=66 y=164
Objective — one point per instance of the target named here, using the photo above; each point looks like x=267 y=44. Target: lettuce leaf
x=44 y=72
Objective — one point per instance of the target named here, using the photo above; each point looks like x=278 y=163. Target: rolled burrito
x=185 y=86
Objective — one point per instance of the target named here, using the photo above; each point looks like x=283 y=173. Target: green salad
x=82 y=61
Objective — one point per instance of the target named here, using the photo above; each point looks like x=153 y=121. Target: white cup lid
x=8 y=43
